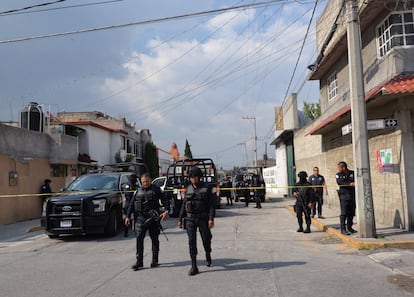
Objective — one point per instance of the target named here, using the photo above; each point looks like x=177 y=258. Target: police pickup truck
x=90 y=204
x=178 y=180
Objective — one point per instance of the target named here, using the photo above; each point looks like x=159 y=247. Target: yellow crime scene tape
x=168 y=190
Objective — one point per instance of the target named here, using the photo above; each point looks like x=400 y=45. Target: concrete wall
x=387 y=187
x=281 y=170
x=29 y=154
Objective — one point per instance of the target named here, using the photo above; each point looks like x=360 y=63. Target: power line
x=31 y=6
x=59 y=8
x=300 y=53
x=146 y=22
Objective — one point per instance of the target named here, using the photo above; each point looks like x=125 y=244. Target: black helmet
x=195 y=171
x=302 y=175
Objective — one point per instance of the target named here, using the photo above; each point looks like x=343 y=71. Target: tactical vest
x=302 y=191
x=146 y=200
x=197 y=200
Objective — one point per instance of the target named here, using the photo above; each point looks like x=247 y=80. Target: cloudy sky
x=191 y=78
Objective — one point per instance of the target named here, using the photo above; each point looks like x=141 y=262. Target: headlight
x=99 y=205
x=175 y=191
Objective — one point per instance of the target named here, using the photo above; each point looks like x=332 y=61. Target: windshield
x=94 y=182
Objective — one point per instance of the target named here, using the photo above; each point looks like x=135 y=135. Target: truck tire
x=111 y=227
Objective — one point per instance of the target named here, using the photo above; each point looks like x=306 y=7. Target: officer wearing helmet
x=304 y=201
x=198 y=211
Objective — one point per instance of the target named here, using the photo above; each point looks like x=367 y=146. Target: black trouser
x=303 y=210
x=202 y=224
x=319 y=201
x=229 y=198
x=141 y=230
x=247 y=197
x=347 y=202
x=257 y=198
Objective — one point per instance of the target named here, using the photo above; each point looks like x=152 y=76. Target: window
x=332 y=84
x=122 y=142
x=58 y=170
x=396 y=30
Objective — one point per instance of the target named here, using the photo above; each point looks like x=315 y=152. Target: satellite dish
x=123 y=155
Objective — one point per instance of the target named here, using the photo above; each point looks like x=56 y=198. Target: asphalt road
x=255 y=253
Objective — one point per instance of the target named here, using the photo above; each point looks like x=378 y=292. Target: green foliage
x=151 y=159
x=312 y=110
x=187 y=150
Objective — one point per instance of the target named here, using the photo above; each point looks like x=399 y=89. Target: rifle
x=155 y=217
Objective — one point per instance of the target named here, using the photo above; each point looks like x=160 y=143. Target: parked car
x=90 y=204
x=177 y=180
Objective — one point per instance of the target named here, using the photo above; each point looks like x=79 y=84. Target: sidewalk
x=387 y=236
x=19 y=230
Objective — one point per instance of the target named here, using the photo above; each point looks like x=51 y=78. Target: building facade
x=387 y=29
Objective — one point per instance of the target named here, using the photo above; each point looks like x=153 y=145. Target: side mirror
x=125 y=187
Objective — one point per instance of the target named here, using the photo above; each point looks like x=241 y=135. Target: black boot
x=308 y=230
x=343 y=229
x=300 y=229
x=351 y=230
x=154 y=262
x=208 y=259
x=138 y=265
x=194 y=268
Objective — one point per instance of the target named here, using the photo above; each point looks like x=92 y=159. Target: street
x=256 y=252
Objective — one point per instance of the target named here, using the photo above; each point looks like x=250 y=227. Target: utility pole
x=363 y=187
x=255 y=138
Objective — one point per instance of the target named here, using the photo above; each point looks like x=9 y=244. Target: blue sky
x=193 y=78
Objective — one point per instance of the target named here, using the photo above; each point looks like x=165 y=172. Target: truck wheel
x=112 y=224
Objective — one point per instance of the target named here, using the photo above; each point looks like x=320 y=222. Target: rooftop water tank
x=32 y=117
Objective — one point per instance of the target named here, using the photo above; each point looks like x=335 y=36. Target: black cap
x=302 y=175
x=47 y=181
x=195 y=171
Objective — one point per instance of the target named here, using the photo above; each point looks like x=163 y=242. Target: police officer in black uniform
x=45 y=189
x=246 y=190
x=129 y=194
x=226 y=185
x=304 y=201
x=198 y=211
x=319 y=181
x=256 y=184
x=345 y=179
x=145 y=206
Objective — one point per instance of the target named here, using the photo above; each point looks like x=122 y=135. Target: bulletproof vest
x=146 y=200
x=197 y=200
x=302 y=190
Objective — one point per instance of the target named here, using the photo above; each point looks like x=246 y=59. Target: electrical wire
x=59 y=8
x=146 y=22
x=30 y=7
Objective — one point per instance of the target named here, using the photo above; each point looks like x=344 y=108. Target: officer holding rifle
x=146 y=205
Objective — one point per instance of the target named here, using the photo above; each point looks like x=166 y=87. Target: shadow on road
x=228 y=264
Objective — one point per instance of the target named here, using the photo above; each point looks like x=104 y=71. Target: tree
x=187 y=151
x=151 y=159
x=312 y=110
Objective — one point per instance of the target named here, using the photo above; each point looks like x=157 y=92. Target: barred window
x=396 y=30
x=332 y=84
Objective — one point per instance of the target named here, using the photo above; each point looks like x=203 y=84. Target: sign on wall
x=384 y=160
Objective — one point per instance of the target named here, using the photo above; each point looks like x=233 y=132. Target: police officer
x=129 y=194
x=246 y=190
x=319 y=181
x=145 y=206
x=45 y=189
x=226 y=184
x=304 y=201
x=345 y=179
x=256 y=184
x=198 y=211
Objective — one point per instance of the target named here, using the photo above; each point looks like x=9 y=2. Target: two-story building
x=387 y=29
x=103 y=139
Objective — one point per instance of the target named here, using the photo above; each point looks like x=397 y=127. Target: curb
x=35 y=228
x=358 y=243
